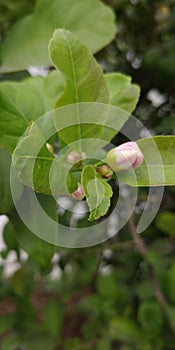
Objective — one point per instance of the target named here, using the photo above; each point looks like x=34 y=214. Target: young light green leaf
x=123 y=93
x=158 y=168
x=26 y=42
x=98 y=192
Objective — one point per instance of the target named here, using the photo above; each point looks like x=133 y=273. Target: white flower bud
x=126 y=156
x=50 y=148
x=73 y=157
x=78 y=194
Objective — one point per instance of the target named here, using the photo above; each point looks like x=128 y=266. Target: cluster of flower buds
x=78 y=194
x=126 y=156
x=74 y=157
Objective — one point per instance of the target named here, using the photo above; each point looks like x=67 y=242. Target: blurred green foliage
x=101 y=297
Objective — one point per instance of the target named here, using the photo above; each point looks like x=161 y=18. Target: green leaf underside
x=33 y=169
x=98 y=193
x=159 y=154
x=122 y=92
x=23 y=102
x=26 y=42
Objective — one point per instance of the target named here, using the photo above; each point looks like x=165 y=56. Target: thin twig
x=143 y=249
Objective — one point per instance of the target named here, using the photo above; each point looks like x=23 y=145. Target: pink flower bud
x=73 y=157
x=105 y=171
x=79 y=193
x=126 y=156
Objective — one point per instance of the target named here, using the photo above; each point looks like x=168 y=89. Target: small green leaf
x=72 y=183
x=98 y=193
x=159 y=166
x=26 y=42
x=122 y=92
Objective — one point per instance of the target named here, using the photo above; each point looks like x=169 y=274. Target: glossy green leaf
x=26 y=42
x=23 y=102
x=122 y=92
x=159 y=166
x=98 y=193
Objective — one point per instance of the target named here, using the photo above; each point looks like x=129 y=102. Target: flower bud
x=78 y=194
x=50 y=148
x=126 y=156
x=105 y=171
x=73 y=157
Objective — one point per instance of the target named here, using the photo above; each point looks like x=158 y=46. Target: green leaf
x=169 y=284
x=39 y=251
x=9 y=236
x=72 y=183
x=6 y=323
x=11 y=342
x=123 y=93
x=23 y=102
x=159 y=166
x=84 y=82
x=84 y=77
x=52 y=317
x=98 y=193
x=122 y=328
x=6 y=201
x=150 y=316
x=166 y=222
x=33 y=169
x=26 y=42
